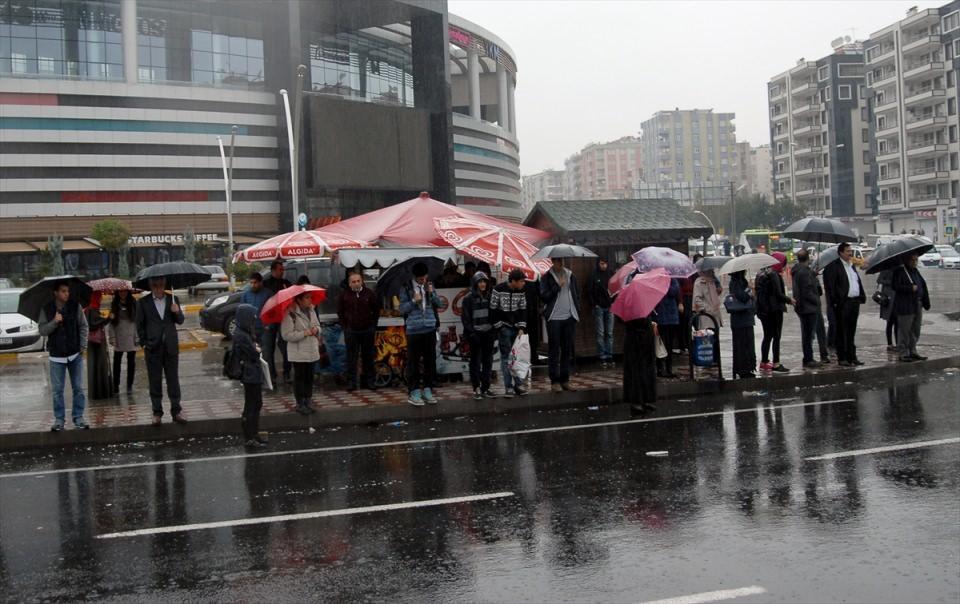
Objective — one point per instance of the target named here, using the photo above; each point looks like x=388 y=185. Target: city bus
x=767 y=241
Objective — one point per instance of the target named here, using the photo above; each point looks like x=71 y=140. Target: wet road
x=778 y=497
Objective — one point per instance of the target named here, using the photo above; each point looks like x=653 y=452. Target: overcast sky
x=593 y=70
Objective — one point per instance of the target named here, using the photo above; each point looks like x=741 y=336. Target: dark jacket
x=550 y=289
x=597 y=293
x=358 y=311
x=668 y=311
x=906 y=301
x=67 y=338
x=244 y=350
x=258 y=300
x=806 y=290
x=740 y=289
x=837 y=285
x=274 y=284
x=153 y=332
x=508 y=307
x=477 y=317
x=771 y=294
x=885 y=285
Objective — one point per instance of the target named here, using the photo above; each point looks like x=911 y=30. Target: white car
x=949 y=257
x=17 y=332
x=219 y=281
x=931 y=258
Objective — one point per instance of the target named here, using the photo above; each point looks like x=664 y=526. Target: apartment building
x=542 y=186
x=912 y=71
x=605 y=170
x=754 y=169
x=820 y=136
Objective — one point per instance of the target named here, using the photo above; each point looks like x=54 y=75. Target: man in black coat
x=910 y=301
x=599 y=298
x=359 y=312
x=561 y=299
x=807 y=295
x=158 y=315
x=845 y=294
x=271 y=332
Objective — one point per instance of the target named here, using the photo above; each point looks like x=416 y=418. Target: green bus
x=767 y=241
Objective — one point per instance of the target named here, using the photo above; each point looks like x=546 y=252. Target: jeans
x=561 y=334
x=506 y=339
x=421 y=349
x=772 y=329
x=271 y=340
x=359 y=343
x=131 y=368
x=58 y=373
x=808 y=327
x=908 y=332
x=603 y=320
x=481 y=360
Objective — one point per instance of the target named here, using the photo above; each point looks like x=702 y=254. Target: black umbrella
x=177 y=274
x=712 y=263
x=822 y=230
x=563 y=250
x=891 y=255
x=827 y=256
x=392 y=280
x=38 y=295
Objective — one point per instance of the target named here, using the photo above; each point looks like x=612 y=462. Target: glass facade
x=61 y=39
x=361 y=67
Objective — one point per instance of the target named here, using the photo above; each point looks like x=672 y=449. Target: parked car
x=949 y=257
x=931 y=258
x=17 y=332
x=218 y=282
x=6 y=283
x=218 y=313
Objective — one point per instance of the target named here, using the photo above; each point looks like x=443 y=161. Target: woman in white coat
x=300 y=329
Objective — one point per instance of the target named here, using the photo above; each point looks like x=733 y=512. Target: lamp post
x=733 y=207
x=714 y=234
x=228 y=188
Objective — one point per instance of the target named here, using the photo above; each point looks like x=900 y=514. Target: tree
x=123 y=261
x=112 y=235
x=189 y=245
x=55 y=254
x=785 y=211
x=240 y=271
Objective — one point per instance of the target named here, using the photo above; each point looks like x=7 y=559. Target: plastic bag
x=519 y=361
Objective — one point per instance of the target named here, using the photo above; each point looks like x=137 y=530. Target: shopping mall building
x=113 y=109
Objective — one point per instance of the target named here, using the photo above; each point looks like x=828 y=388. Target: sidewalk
x=213 y=404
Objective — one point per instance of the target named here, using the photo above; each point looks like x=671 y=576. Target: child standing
x=246 y=352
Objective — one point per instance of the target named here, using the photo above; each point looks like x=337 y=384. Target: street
x=840 y=494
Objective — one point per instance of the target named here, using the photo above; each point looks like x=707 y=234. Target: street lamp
x=712 y=228
x=228 y=188
x=733 y=208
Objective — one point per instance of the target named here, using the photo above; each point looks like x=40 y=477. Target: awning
x=16 y=247
x=69 y=245
x=385 y=257
x=240 y=240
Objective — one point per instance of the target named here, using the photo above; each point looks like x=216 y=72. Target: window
x=951 y=106
x=865 y=135
x=774 y=90
x=825 y=94
x=779 y=148
x=849 y=70
x=823 y=73
x=868 y=200
x=954 y=165
x=866 y=157
x=863 y=114
x=866 y=179
x=953 y=134
x=950 y=22
x=956 y=47
x=951 y=79
x=844 y=92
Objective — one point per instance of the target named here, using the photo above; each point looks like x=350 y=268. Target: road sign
x=302 y=220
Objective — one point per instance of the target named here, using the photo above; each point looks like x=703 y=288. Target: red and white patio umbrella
x=490 y=243
x=299 y=244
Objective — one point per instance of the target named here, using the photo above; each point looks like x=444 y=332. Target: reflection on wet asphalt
x=575 y=513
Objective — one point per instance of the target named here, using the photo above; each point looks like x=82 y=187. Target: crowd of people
x=493 y=317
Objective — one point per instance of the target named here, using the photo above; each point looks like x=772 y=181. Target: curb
x=195 y=342
x=459 y=407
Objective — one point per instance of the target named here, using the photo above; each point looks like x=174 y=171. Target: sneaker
x=556 y=388
x=825 y=361
x=918 y=357
x=779 y=368
x=520 y=391
x=57 y=426
x=477 y=395
x=907 y=359
x=428 y=396
x=812 y=365
x=254 y=444
x=415 y=398
x=81 y=424
x=490 y=394
x=508 y=393
x=303 y=409
x=766 y=366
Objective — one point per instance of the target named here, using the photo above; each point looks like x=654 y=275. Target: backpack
x=232 y=368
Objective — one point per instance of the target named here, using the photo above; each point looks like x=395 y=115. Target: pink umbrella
x=619 y=279
x=299 y=244
x=641 y=296
x=675 y=263
x=490 y=243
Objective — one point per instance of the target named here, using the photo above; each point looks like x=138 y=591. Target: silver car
x=17 y=332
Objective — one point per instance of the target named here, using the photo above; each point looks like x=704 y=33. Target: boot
x=302 y=407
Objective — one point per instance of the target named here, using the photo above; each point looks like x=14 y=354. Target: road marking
x=418 y=441
x=903 y=447
x=179 y=528
x=712 y=596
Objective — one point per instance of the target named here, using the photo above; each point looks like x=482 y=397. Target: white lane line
x=418 y=441
x=306 y=515
x=712 y=596
x=903 y=447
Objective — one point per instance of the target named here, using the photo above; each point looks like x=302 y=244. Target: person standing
x=271 y=333
x=686 y=297
x=63 y=323
x=806 y=292
x=122 y=335
x=157 y=318
x=772 y=300
x=509 y=312
x=639 y=365
x=706 y=297
x=358 y=312
x=531 y=292
x=300 y=329
x=741 y=326
x=668 y=323
x=478 y=329
x=246 y=352
x=419 y=303
x=887 y=296
x=910 y=301
x=99 y=384
x=599 y=298
x=561 y=298
x=256 y=295
x=845 y=295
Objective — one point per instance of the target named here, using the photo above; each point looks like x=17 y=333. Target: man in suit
x=845 y=294
x=158 y=315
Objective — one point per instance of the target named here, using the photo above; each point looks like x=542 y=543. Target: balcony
x=921 y=43
x=782 y=135
x=926 y=149
x=808 y=129
x=888 y=127
x=782 y=175
x=807 y=151
x=890 y=178
x=926 y=122
x=924 y=96
x=807 y=171
x=807 y=109
x=802 y=193
x=780 y=95
x=783 y=155
x=804 y=87
x=929 y=200
x=889 y=102
x=918 y=175
x=922 y=69
x=920 y=18
x=890 y=153
x=884 y=53
x=890 y=76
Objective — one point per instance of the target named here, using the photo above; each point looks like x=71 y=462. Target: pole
x=293 y=162
x=733 y=213
x=227 y=189
x=297 y=128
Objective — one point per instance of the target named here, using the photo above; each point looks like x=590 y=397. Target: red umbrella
x=299 y=244
x=110 y=285
x=641 y=296
x=618 y=280
x=490 y=243
x=276 y=307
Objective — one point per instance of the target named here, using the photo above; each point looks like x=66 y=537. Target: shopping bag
x=265 y=370
x=661 y=349
x=519 y=361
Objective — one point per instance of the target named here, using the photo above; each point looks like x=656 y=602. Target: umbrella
x=492 y=244
x=891 y=255
x=675 y=263
x=276 y=307
x=747 y=262
x=110 y=285
x=299 y=244
x=38 y=295
x=823 y=230
x=564 y=250
x=712 y=263
x=177 y=274
x=393 y=279
x=826 y=257
x=619 y=279
x=638 y=299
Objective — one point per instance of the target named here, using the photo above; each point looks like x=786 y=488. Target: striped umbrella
x=299 y=244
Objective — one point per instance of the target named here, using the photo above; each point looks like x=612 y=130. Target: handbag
x=661 y=349
x=880 y=299
x=733 y=305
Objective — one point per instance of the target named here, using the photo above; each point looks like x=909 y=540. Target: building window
x=951 y=79
x=824 y=95
x=868 y=200
x=953 y=134
x=866 y=157
x=865 y=135
x=950 y=22
x=849 y=70
x=951 y=106
x=823 y=73
x=774 y=90
x=844 y=92
x=953 y=162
